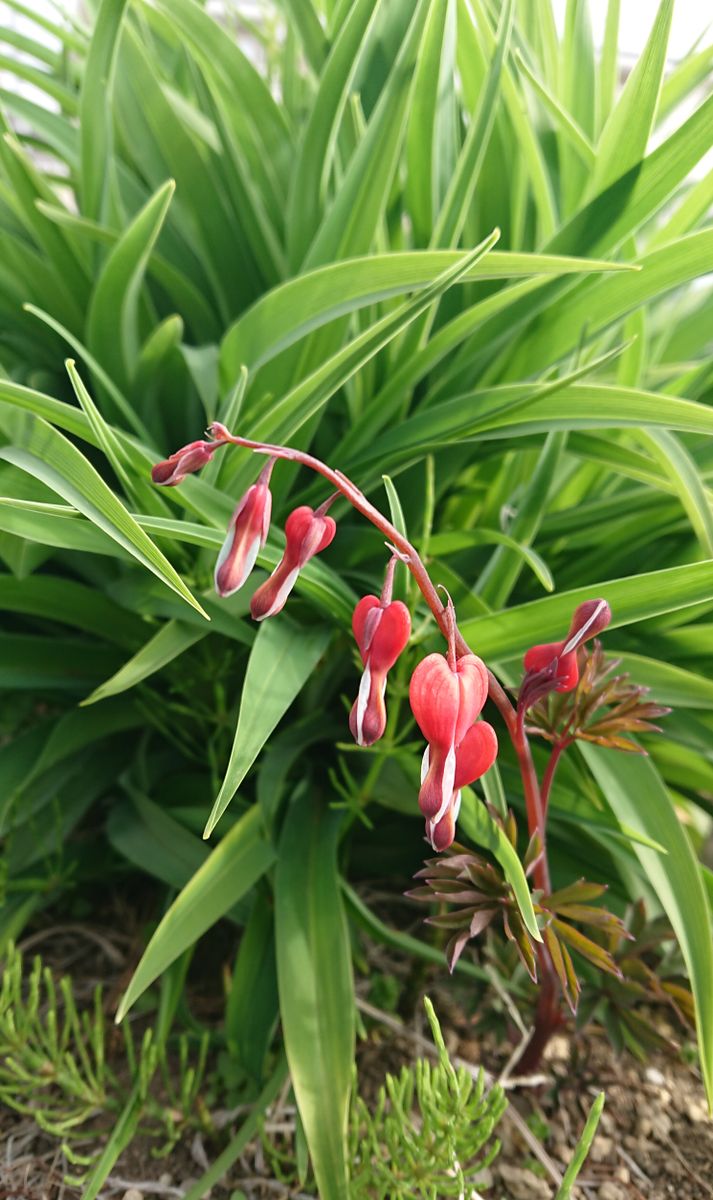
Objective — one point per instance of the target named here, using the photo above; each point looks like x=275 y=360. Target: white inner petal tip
x=449 y=775
x=581 y=633
x=362 y=702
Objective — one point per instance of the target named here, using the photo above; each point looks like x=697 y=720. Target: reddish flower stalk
x=551 y=666
x=410 y=556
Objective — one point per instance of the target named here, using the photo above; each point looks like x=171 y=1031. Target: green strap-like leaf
x=309 y=180
x=95 y=111
x=581 y=1150
x=681 y=468
x=37 y=448
x=301 y=305
x=315 y=984
x=172 y=640
x=224 y=878
x=281 y=661
x=626 y=133
x=509 y=634
x=352 y=218
x=431 y=131
x=634 y=791
x=313 y=37
x=112 y=319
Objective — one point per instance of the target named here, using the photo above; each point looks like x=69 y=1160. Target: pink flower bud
x=589 y=619
x=445 y=701
x=308 y=532
x=247 y=534
x=382 y=632
x=184 y=462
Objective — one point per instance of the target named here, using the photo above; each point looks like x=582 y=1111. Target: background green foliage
x=267 y=226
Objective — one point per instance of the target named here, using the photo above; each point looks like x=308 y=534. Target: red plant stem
x=550 y=769
x=406 y=552
x=410 y=556
x=548 y=1016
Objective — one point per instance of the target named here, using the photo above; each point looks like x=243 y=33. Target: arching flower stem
x=408 y=554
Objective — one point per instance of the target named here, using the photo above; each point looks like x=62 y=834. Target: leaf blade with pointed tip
x=39 y=449
x=314 y=973
x=624 y=780
x=280 y=663
x=227 y=875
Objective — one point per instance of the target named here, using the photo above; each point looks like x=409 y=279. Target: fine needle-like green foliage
x=458 y=258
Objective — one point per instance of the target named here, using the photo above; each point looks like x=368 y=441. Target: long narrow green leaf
x=95 y=112
x=313 y=37
x=315 y=985
x=172 y=640
x=112 y=319
x=305 y=400
x=301 y=305
x=41 y=451
x=225 y=877
x=484 y=831
x=431 y=128
x=581 y=1150
x=509 y=634
x=633 y=789
x=528 y=145
x=516 y=412
x=625 y=136
x=282 y=659
x=608 y=65
x=352 y=218
x=309 y=181
x=466 y=175
x=681 y=468
x=566 y=122
x=597 y=306
x=609 y=218
x=500 y=575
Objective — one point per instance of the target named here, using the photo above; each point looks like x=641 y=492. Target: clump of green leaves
x=430 y=1133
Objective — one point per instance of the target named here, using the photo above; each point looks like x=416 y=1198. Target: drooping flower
x=382 y=628
x=447 y=695
x=558 y=660
x=308 y=532
x=185 y=461
x=247 y=534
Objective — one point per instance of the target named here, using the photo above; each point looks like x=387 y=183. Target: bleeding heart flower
x=382 y=628
x=446 y=696
x=247 y=534
x=559 y=659
x=308 y=532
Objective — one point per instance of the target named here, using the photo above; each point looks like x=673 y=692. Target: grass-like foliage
x=453 y=255
x=54 y=1067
